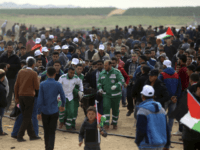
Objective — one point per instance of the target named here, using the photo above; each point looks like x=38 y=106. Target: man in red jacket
x=126 y=77
x=37 y=46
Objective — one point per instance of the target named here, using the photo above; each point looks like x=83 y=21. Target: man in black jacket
x=137 y=87
x=13 y=65
x=3 y=101
x=161 y=94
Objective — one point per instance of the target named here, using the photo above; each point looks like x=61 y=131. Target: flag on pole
x=99 y=141
x=169 y=33
x=192 y=118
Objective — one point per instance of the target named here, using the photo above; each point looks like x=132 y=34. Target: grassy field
x=77 y=22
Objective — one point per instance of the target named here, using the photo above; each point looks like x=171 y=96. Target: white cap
x=51 y=37
x=190 y=26
x=37 y=41
x=65 y=47
x=147 y=91
x=75 y=61
x=167 y=63
x=194 y=28
x=57 y=47
x=37 y=53
x=75 y=40
x=45 y=49
x=28 y=58
x=101 y=47
x=42 y=37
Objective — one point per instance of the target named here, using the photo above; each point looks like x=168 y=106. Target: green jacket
x=76 y=89
x=108 y=79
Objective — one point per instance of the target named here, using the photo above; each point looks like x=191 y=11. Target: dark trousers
x=92 y=147
x=49 y=125
x=100 y=104
x=129 y=98
x=11 y=83
x=26 y=104
x=191 y=145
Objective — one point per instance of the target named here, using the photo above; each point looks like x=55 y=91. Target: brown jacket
x=26 y=83
x=96 y=56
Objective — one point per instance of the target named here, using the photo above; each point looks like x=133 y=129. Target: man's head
x=114 y=62
x=91 y=113
x=100 y=65
x=3 y=66
x=162 y=57
x=45 y=51
x=147 y=92
x=38 y=62
x=51 y=72
x=194 y=78
x=143 y=45
x=190 y=69
x=9 y=47
x=181 y=50
x=189 y=59
x=101 y=49
x=166 y=64
x=31 y=62
x=55 y=56
x=142 y=58
x=79 y=69
x=149 y=44
x=145 y=69
x=153 y=53
x=71 y=72
x=12 y=37
x=161 y=47
x=134 y=57
x=118 y=55
x=57 y=65
x=38 y=54
x=107 y=65
x=23 y=50
x=57 y=48
x=119 y=41
x=123 y=50
x=182 y=59
x=153 y=75
x=148 y=54
x=94 y=65
x=91 y=46
x=168 y=41
x=2 y=75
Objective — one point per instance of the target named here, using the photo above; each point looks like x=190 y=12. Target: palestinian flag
x=169 y=33
x=192 y=118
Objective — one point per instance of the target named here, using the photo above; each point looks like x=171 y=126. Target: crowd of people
x=43 y=68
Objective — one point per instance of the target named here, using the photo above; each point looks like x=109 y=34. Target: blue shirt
x=1 y=49
x=47 y=98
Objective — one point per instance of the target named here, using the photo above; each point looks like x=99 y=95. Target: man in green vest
x=110 y=83
x=78 y=72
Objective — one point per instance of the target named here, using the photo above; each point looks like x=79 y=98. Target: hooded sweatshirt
x=151 y=129
x=172 y=81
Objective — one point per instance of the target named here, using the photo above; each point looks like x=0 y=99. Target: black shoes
x=35 y=138
x=20 y=140
x=129 y=113
x=124 y=105
x=15 y=137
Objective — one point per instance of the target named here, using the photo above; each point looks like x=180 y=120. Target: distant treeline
x=167 y=11
x=58 y=11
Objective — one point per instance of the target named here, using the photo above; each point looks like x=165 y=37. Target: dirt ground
x=69 y=141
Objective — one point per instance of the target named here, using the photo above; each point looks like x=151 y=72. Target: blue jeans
x=1 y=117
x=171 y=107
x=123 y=95
x=19 y=119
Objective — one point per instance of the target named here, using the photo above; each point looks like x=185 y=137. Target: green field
x=167 y=11
x=78 y=22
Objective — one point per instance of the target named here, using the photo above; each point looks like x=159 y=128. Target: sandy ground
x=69 y=141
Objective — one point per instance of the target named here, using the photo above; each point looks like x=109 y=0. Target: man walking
x=173 y=83
x=26 y=87
x=3 y=27
x=152 y=132
x=47 y=105
x=110 y=83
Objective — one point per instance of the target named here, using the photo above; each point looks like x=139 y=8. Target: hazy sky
x=106 y=3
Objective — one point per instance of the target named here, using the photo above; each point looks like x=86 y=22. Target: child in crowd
x=1 y=46
x=89 y=131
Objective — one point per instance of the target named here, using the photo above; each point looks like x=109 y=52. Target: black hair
x=183 y=58
x=109 y=44
x=100 y=61
x=23 y=62
x=51 y=71
x=87 y=60
x=117 y=52
x=146 y=69
x=79 y=65
x=2 y=65
x=55 y=53
x=94 y=63
x=148 y=97
x=38 y=59
x=57 y=61
x=31 y=62
x=71 y=68
x=194 y=77
x=114 y=58
x=91 y=108
x=9 y=43
x=123 y=46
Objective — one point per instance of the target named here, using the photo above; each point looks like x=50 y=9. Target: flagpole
x=97 y=121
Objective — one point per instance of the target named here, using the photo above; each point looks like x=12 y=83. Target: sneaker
x=35 y=138
x=178 y=133
x=124 y=105
x=129 y=113
x=20 y=140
